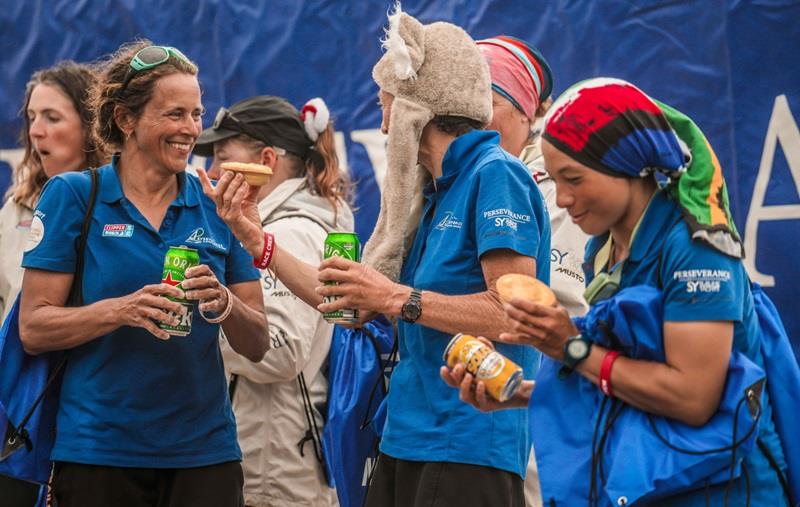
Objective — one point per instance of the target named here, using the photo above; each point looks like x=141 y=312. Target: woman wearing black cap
x=302 y=202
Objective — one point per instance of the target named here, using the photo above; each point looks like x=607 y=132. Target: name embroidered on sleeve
x=702 y=280
x=504 y=217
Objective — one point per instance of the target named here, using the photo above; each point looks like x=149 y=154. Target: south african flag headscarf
x=613 y=127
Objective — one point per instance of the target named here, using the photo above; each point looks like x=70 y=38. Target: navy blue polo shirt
x=128 y=398
x=699 y=284
x=484 y=200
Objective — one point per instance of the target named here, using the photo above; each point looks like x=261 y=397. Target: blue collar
x=462 y=155
x=111 y=189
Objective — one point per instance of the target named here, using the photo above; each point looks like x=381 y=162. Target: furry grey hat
x=434 y=69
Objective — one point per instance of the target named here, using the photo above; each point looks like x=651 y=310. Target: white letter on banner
x=783 y=128
x=374 y=141
x=12 y=157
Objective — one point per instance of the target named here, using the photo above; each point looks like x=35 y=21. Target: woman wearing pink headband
x=522 y=84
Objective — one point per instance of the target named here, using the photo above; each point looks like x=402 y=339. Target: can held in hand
x=176 y=262
x=347 y=246
x=501 y=375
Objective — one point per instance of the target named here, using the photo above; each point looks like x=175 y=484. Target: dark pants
x=400 y=483
x=17 y=493
x=77 y=485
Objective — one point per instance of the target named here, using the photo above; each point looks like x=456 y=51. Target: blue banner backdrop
x=731 y=65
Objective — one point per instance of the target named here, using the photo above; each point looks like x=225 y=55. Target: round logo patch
x=35 y=235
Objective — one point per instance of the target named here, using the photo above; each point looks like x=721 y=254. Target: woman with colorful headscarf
x=604 y=143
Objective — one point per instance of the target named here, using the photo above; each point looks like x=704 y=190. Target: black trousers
x=17 y=493
x=77 y=485
x=400 y=483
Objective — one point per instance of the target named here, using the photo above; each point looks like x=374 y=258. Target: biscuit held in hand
x=255 y=175
x=525 y=287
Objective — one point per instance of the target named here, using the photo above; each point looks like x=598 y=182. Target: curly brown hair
x=111 y=92
x=74 y=80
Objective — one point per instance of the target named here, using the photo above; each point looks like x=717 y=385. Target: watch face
x=411 y=312
x=577 y=349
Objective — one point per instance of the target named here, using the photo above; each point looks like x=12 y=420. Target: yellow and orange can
x=501 y=375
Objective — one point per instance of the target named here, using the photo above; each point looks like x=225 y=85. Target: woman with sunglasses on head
x=144 y=417
x=604 y=142
x=56 y=138
x=277 y=402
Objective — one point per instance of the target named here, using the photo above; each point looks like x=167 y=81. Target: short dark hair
x=456 y=125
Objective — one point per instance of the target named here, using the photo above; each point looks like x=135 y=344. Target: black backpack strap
x=76 y=291
x=75 y=298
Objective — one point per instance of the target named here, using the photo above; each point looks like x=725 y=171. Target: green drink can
x=347 y=246
x=176 y=262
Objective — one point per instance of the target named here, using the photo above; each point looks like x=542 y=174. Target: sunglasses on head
x=226 y=120
x=152 y=56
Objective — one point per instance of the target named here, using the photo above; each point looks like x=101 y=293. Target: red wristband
x=605 y=371
x=266 y=255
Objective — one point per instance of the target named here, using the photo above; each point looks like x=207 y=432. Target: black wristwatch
x=412 y=309
x=576 y=350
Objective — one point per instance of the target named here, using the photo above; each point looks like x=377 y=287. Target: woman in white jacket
x=304 y=200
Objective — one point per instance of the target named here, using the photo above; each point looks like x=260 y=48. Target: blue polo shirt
x=128 y=398
x=699 y=284
x=484 y=200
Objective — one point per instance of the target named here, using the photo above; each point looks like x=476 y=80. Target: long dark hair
x=74 y=80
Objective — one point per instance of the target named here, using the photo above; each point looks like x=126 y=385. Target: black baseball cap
x=266 y=118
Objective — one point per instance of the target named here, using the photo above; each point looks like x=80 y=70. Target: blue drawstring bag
x=591 y=448
x=783 y=384
x=359 y=361
x=22 y=379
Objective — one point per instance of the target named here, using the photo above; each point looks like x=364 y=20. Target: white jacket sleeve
x=567 y=246
x=296 y=330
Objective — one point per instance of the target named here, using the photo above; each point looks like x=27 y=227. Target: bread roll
x=524 y=287
x=255 y=175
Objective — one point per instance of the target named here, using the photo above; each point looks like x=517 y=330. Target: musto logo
x=702 y=280
x=506 y=218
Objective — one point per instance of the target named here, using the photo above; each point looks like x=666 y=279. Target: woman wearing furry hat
x=480 y=216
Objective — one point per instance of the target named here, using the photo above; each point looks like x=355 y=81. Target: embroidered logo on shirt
x=504 y=217
x=449 y=222
x=198 y=236
x=117 y=230
x=702 y=280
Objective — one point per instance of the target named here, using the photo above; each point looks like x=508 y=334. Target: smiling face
x=55 y=130
x=169 y=124
x=596 y=202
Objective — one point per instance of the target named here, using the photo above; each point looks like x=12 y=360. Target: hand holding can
x=177 y=260
x=501 y=376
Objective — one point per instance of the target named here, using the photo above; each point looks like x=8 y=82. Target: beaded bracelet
x=225 y=312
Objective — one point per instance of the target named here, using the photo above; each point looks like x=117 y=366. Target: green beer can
x=345 y=245
x=176 y=262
